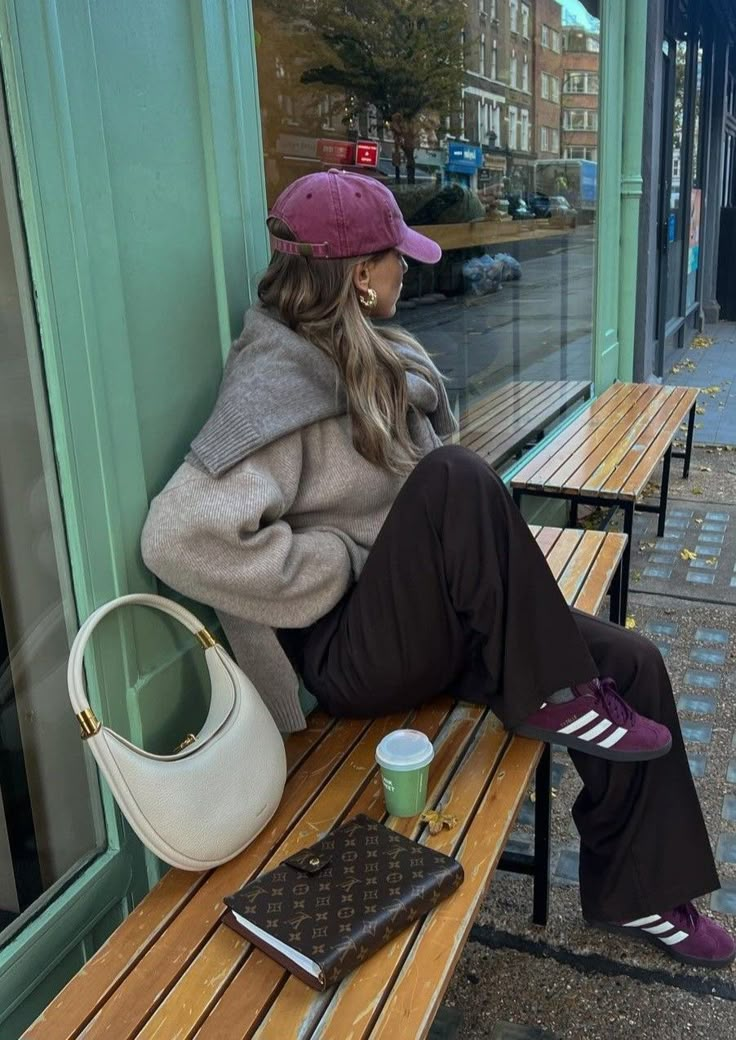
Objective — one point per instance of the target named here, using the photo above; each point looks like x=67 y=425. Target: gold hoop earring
x=371 y=301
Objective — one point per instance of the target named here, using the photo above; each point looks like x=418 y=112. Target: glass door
x=680 y=183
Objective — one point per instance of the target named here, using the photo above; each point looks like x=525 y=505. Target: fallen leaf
x=711 y=390
x=705 y=469
x=701 y=342
x=700 y=409
x=697 y=490
x=636 y=576
x=688 y=554
x=698 y=520
x=438 y=820
x=646 y=545
x=630 y=621
x=712 y=561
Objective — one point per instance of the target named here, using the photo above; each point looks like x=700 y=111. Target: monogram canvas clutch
x=327 y=908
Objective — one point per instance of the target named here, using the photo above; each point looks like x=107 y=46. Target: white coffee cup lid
x=404 y=749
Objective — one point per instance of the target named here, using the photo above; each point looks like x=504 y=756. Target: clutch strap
x=88 y=721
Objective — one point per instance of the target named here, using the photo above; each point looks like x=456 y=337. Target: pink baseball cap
x=342 y=214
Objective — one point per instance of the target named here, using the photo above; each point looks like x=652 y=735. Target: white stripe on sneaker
x=657 y=929
x=613 y=738
x=670 y=940
x=577 y=724
x=596 y=731
x=641 y=921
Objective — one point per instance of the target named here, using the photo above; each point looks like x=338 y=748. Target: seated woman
x=338 y=540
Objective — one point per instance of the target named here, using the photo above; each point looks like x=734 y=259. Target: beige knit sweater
x=274 y=541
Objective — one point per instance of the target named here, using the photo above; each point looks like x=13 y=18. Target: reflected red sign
x=366 y=153
x=340 y=152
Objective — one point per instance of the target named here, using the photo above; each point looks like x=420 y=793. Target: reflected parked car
x=553 y=207
x=518 y=208
x=560 y=211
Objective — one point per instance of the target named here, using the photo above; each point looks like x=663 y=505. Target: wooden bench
x=607 y=455
x=171 y=970
x=499 y=426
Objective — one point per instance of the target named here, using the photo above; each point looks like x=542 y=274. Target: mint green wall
x=135 y=132
x=135 y=129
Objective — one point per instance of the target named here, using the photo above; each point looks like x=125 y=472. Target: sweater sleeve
x=224 y=541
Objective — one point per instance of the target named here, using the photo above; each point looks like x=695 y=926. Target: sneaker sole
x=588 y=747
x=652 y=940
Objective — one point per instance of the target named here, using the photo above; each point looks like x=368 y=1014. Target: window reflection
x=483 y=120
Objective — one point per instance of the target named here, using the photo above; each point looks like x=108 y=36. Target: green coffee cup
x=404 y=756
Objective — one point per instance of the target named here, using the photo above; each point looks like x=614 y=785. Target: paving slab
x=707 y=361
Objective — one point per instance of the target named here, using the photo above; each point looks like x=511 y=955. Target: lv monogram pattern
x=343 y=898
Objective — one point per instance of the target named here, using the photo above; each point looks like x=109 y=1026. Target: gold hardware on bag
x=88 y=723
x=188 y=739
x=206 y=639
x=314 y=862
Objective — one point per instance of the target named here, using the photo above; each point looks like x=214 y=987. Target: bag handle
x=88 y=721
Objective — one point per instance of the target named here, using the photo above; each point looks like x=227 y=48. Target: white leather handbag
x=205 y=802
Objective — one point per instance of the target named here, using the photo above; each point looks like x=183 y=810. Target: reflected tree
x=404 y=57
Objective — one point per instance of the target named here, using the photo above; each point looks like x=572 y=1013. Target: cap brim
x=419 y=247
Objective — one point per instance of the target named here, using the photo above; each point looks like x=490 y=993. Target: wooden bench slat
x=300 y=744
x=416 y=996
x=491 y=412
x=559 y=556
x=507 y=436
x=357 y=999
x=640 y=474
x=130 y=1004
x=572 y=579
x=569 y=470
x=584 y=426
x=611 y=466
x=450 y=728
x=613 y=472
x=498 y=405
x=502 y=398
x=85 y=993
x=601 y=573
x=497 y=433
x=546 y=537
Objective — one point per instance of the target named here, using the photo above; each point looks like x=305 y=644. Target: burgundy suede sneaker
x=600 y=723
x=683 y=933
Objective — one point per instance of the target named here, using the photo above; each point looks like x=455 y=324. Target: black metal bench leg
x=517 y=497
x=615 y=611
x=542 y=823
x=664 y=491
x=573 y=513
x=689 y=443
x=628 y=508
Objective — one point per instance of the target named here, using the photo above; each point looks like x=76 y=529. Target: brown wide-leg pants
x=456 y=598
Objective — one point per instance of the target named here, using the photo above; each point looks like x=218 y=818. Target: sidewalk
x=568 y=981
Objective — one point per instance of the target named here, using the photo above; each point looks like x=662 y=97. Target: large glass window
x=508 y=310
x=49 y=805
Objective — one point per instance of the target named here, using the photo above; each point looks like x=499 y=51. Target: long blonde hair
x=317 y=299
